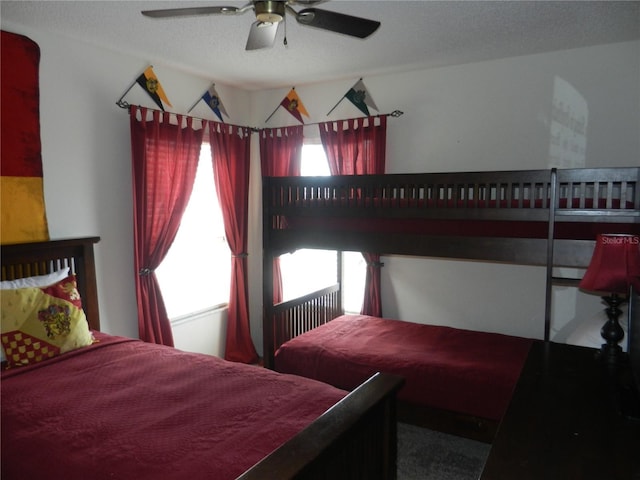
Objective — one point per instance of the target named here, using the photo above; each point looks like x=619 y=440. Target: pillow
x=36 y=281
x=38 y=323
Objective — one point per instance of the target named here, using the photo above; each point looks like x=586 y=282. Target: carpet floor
x=428 y=455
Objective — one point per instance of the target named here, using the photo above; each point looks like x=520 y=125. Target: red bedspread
x=458 y=370
x=123 y=409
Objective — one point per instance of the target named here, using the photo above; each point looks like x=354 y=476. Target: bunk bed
x=117 y=407
x=547 y=218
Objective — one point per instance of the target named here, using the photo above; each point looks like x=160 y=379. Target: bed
x=115 y=407
x=546 y=218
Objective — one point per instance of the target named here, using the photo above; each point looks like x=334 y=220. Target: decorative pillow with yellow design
x=38 y=323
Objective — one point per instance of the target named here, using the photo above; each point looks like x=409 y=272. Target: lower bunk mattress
x=462 y=371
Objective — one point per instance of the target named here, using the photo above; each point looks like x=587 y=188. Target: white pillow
x=36 y=281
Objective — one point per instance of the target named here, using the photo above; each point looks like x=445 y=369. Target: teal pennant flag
x=360 y=97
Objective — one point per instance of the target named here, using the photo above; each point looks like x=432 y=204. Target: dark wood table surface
x=570 y=417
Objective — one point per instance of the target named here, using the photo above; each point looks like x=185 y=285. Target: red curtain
x=164 y=163
x=372 y=301
x=358 y=147
x=231 y=159
x=280 y=155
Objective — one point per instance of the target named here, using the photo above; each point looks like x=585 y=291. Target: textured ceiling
x=413 y=34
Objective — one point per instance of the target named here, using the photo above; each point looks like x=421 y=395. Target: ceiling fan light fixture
x=270 y=11
x=305 y=17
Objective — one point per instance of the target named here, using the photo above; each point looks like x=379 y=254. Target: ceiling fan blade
x=187 y=12
x=337 y=22
x=262 y=35
x=306 y=2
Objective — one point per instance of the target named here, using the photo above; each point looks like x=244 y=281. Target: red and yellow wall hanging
x=23 y=216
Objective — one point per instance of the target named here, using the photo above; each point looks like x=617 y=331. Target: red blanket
x=123 y=409
x=458 y=370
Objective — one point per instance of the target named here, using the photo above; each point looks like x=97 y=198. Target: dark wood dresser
x=566 y=421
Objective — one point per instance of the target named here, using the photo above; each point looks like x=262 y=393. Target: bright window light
x=196 y=273
x=308 y=270
x=314 y=161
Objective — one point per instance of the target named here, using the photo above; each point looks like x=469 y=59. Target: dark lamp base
x=611 y=331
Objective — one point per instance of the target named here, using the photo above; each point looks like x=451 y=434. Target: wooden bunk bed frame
x=356 y=438
x=548 y=205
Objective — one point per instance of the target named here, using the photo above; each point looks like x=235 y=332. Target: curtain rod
x=394 y=114
x=127 y=106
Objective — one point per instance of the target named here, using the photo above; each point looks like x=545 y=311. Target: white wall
x=203 y=332
x=489 y=115
x=86 y=154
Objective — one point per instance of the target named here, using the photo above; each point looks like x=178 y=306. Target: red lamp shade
x=615 y=265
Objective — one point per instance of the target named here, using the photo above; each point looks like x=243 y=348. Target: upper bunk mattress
x=463 y=371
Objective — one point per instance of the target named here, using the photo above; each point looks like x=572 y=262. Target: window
x=195 y=275
x=296 y=280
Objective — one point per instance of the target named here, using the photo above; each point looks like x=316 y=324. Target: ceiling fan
x=270 y=13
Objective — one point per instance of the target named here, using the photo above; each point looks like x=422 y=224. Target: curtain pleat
x=231 y=159
x=280 y=155
x=164 y=162
x=358 y=147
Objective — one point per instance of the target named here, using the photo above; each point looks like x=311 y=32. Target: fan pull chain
x=285 y=31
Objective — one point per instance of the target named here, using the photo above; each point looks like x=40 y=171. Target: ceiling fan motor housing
x=270 y=11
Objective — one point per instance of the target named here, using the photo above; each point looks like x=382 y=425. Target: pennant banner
x=293 y=105
x=150 y=83
x=212 y=99
x=360 y=97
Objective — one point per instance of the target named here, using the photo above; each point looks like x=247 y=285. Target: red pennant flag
x=294 y=105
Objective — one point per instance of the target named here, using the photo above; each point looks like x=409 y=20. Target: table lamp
x=614 y=267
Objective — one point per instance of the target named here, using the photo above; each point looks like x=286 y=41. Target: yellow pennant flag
x=150 y=83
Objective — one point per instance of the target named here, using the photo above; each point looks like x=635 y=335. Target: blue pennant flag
x=212 y=99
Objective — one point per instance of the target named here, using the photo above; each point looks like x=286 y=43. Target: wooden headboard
x=39 y=258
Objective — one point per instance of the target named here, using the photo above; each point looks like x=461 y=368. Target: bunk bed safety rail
x=612 y=196
x=299 y=315
x=423 y=193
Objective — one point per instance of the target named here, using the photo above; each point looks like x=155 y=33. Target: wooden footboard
x=289 y=319
x=356 y=438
